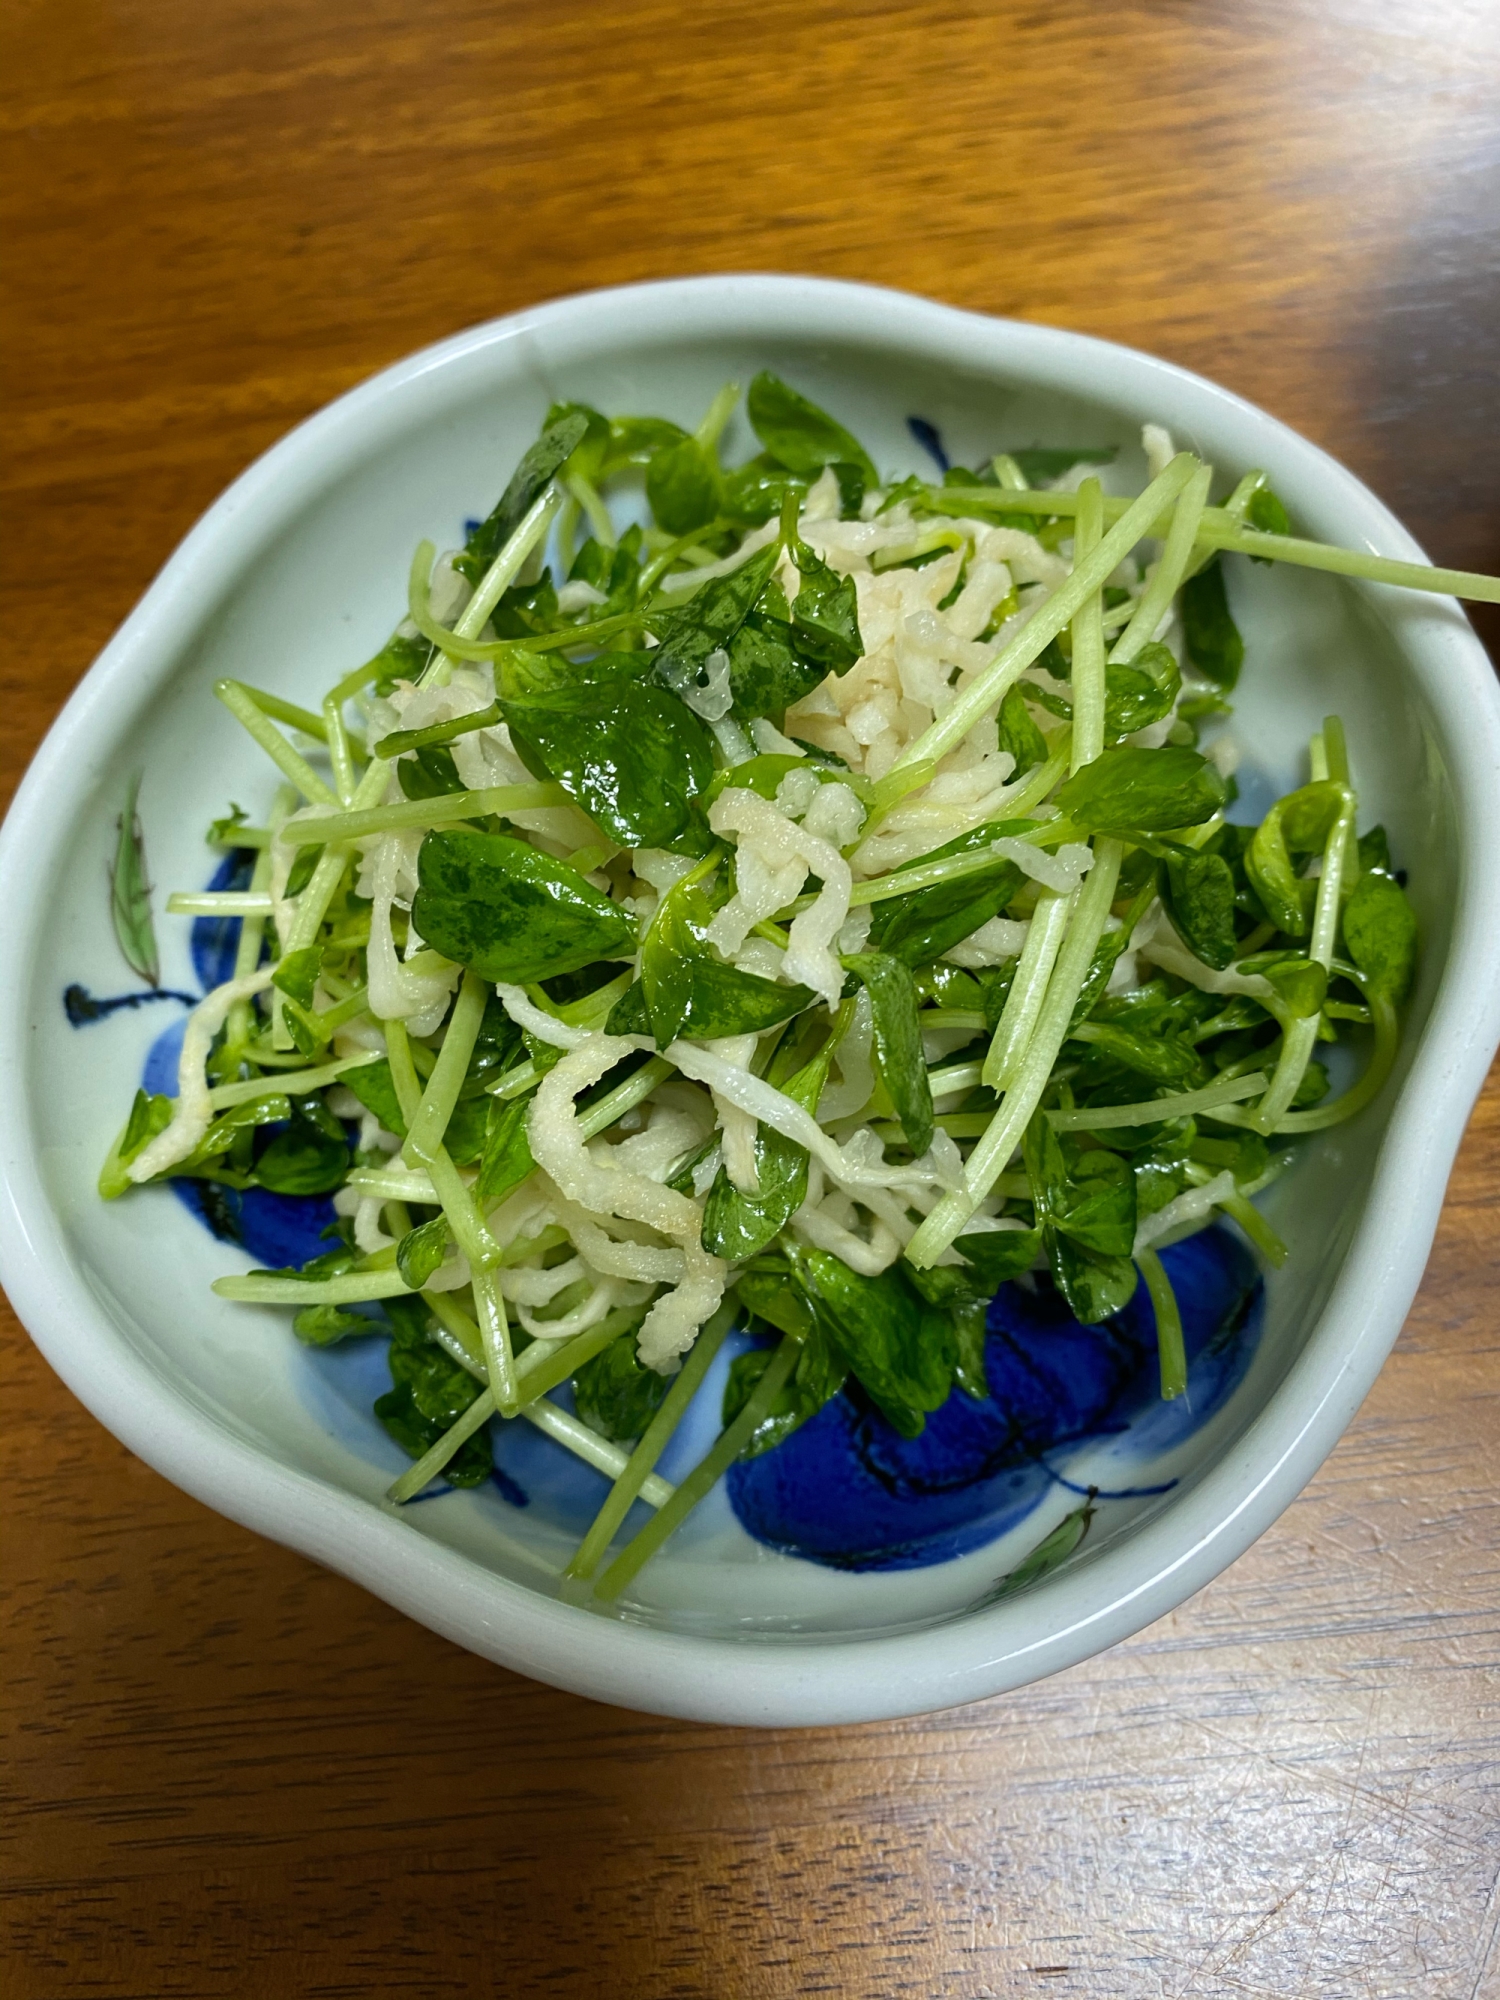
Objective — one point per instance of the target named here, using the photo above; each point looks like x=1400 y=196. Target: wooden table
x=231 y=1773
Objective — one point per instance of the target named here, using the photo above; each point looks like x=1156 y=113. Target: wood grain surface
x=227 y=1772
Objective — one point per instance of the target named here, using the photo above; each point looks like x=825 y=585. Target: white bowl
x=296 y=574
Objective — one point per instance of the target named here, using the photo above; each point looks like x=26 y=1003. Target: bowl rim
x=757 y=1680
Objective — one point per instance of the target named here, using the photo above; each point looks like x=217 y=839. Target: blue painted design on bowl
x=847 y=1490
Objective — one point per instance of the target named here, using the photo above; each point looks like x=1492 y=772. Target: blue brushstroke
x=927 y=437
x=847 y=1490
x=81 y=1007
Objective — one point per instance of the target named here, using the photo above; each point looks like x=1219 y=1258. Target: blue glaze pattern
x=847 y=1490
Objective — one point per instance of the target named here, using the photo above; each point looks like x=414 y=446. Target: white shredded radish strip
x=773 y=857
x=1189 y=1206
x=536 y=1020
x=736 y=1124
x=1061 y=872
x=850 y=1165
x=558 y=1147
x=193 y=1113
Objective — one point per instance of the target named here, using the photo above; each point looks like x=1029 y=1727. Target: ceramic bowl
x=297 y=573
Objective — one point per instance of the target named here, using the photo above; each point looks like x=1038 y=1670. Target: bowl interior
x=309 y=581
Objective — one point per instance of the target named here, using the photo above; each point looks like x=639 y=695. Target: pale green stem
x=469 y=1230
x=1351 y=562
x=241 y=705
x=585 y=496
x=352 y=1288
x=318 y=829
x=432 y=1461
x=640 y=1466
x=307 y=921
x=494 y=1329
x=295 y=1084
x=289 y=712
x=703 y=1477
x=1220 y=530
x=530 y=532
x=1171 y=1354
x=1028 y=989
x=991 y=1156
x=219 y=903
x=1156 y=599
x=403 y=1070
x=425 y=1133
x=1382 y=1060
x=1088 y=633
x=252 y=929
x=594 y=1450
x=338 y=748
x=1186 y=1104
x=1299 y=1038
x=989 y=687
x=717 y=415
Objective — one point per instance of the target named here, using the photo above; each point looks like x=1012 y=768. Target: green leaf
x=766 y=673
x=555 y=445
x=1375 y=853
x=753 y=492
x=798 y=434
x=737 y=1225
x=1298 y=824
x=1019 y=734
x=222 y=832
x=148 y=1117
x=1040 y=463
x=775 y=1297
x=637 y=440
x=922 y=925
x=422 y=1250
x=1209 y=632
x=999 y=1255
x=297 y=974
x=130 y=892
x=688 y=988
x=510 y=911
x=401 y=658
x=1096 y=1209
x=1088 y=1221
x=682 y=485
x=709 y=619
x=631 y=755
x=1096 y=1287
x=818 y=1376
x=310 y=1157
x=1201 y=904
x=324 y=1326
x=506 y=1160
x=898 y=1041
x=1267 y=514
x=1137 y=695
x=615 y=1395
x=302 y=870
x=902 y=1352
x=373 y=1085
x=825 y=615
x=1300 y=983
x=1148 y=790
x=1381 y=934
x=1163 y=1059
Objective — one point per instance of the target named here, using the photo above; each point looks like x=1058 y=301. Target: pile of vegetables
x=806 y=909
